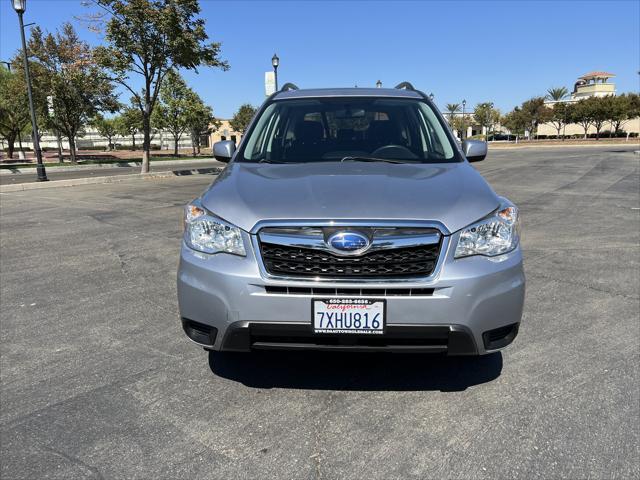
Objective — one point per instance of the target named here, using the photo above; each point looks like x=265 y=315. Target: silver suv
x=350 y=219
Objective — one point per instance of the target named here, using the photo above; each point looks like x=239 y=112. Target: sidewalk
x=8 y=170
x=35 y=185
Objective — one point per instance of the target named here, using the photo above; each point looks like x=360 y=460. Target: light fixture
x=20 y=5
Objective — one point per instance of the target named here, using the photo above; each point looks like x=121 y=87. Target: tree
x=557 y=94
x=107 y=127
x=622 y=109
x=172 y=110
x=201 y=122
x=146 y=39
x=14 y=110
x=560 y=115
x=485 y=115
x=460 y=123
x=242 y=118
x=634 y=105
x=66 y=71
x=516 y=121
x=536 y=112
x=601 y=108
x=452 y=109
x=582 y=114
x=129 y=123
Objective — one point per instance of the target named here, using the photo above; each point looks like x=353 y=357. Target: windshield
x=340 y=129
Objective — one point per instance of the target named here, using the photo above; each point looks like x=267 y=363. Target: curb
x=97 y=166
x=21 y=187
x=602 y=145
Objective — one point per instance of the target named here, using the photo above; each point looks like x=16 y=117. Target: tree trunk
x=133 y=141
x=175 y=145
x=193 y=143
x=11 y=146
x=146 y=144
x=72 y=149
x=59 y=141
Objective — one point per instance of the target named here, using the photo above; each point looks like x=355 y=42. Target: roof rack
x=405 y=86
x=289 y=86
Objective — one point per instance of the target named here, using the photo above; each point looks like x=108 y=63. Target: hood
x=453 y=194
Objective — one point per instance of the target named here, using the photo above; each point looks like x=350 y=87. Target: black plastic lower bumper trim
x=449 y=339
x=500 y=337
x=199 y=332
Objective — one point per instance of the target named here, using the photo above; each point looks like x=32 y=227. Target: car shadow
x=355 y=371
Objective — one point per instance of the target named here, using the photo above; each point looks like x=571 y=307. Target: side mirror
x=223 y=151
x=474 y=150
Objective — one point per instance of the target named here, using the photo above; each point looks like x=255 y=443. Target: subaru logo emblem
x=348 y=242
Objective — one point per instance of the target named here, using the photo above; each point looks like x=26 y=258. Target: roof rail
x=289 y=86
x=405 y=86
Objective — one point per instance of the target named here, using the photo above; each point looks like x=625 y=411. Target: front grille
x=393 y=263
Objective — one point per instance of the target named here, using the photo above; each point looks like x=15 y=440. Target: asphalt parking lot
x=98 y=380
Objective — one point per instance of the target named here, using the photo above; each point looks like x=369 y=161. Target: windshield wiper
x=373 y=159
x=264 y=160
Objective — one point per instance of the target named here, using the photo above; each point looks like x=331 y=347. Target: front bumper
x=474 y=301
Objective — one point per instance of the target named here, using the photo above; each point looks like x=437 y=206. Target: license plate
x=348 y=315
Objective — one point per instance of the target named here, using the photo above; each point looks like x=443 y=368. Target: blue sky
x=502 y=51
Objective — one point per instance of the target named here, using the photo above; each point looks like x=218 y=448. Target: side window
x=437 y=143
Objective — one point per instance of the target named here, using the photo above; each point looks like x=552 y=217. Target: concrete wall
x=631 y=126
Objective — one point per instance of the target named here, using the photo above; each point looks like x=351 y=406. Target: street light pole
x=489 y=120
x=275 y=62
x=20 y=6
x=464 y=120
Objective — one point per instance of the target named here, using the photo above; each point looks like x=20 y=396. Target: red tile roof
x=597 y=74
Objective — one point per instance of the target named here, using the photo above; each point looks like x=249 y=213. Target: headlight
x=209 y=234
x=494 y=235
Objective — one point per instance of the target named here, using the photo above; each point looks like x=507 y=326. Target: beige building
x=593 y=84
x=224 y=132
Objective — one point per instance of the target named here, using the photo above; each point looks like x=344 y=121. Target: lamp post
x=20 y=6
x=464 y=120
x=275 y=61
x=489 y=123
x=378 y=84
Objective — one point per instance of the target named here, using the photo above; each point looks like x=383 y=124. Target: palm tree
x=452 y=108
x=557 y=94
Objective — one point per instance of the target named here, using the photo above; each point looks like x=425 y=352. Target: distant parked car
x=501 y=137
